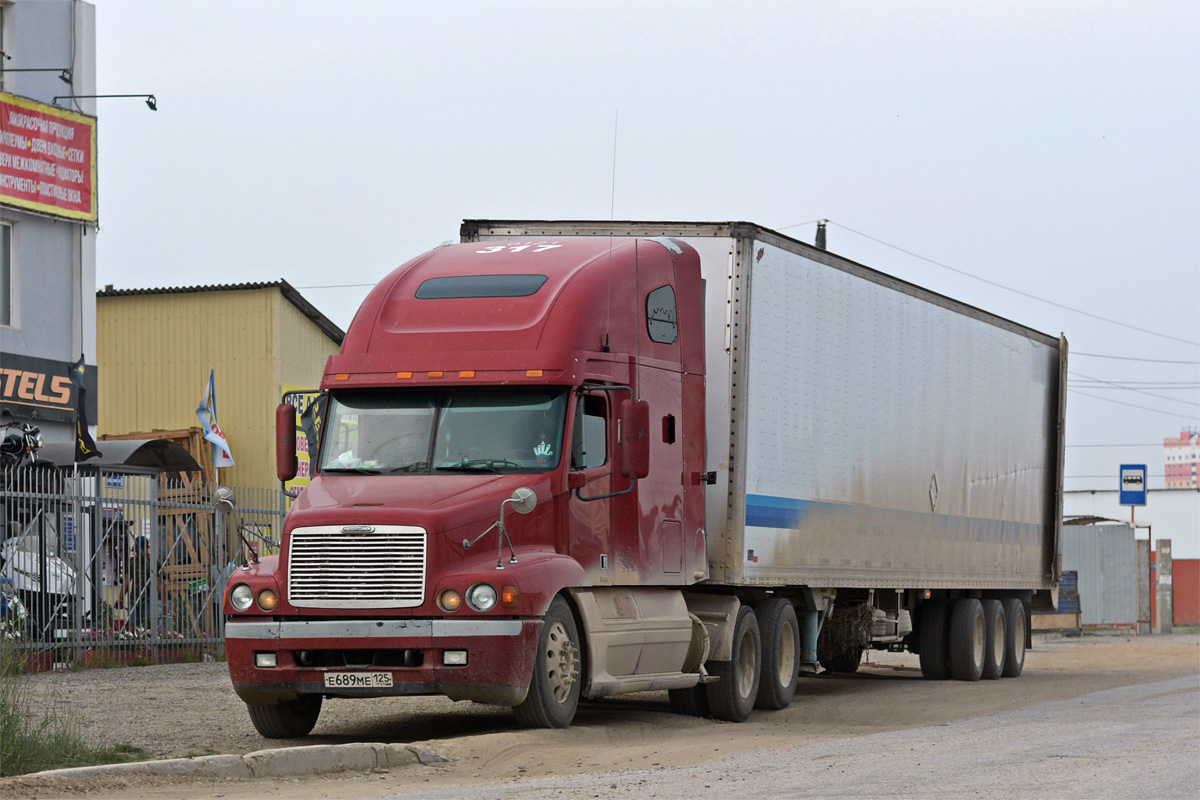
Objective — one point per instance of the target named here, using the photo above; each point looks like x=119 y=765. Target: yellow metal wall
x=154 y=353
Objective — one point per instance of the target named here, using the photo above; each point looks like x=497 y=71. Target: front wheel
x=554 y=688
x=290 y=719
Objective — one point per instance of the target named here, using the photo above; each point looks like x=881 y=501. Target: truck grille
x=357 y=566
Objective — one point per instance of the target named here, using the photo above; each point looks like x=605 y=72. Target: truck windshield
x=388 y=432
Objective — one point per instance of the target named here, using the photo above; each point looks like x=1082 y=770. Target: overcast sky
x=1053 y=148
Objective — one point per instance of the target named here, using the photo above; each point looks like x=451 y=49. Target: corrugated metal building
x=155 y=348
x=1171 y=513
x=1105 y=559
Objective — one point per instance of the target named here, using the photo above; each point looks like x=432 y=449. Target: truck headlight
x=481 y=597
x=241 y=597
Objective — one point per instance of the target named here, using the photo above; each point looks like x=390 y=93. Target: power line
x=1140 y=391
x=1069 y=477
x=1132 y=405
x=1127 y=358
x=337 y=286
x=1155 y=444
x=1017 y=291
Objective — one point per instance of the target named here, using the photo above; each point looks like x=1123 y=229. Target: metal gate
x=104 y=567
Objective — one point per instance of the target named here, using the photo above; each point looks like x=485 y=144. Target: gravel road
x=1097 y=716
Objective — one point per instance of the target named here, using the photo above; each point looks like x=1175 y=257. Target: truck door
x=590 y=521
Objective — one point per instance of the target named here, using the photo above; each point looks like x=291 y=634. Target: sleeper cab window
x=660 y=315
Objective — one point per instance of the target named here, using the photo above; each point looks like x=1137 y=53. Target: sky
x=1052 y=148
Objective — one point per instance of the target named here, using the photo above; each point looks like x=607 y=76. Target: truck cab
x=569 y=373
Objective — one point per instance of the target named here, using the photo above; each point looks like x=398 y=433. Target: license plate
x=358 y=680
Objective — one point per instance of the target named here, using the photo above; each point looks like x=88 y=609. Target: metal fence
x=101 y=567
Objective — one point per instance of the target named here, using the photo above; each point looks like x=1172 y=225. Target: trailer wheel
x=966 y=639
x=731 y=697
x=692 y=702
x=554 y=688
x=290 y=719
x=780 y=632
x=1014 y=638
x=931 y=639
x=994 y=633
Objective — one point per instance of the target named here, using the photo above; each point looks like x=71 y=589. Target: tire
x=691 y=702
x=290 y=719
x=1014 y=638
x=554 y=688
x=731 y=697
x=994 y=631
x=780 y=631
x=966 y=639
x=931 y=639
x=846 y=663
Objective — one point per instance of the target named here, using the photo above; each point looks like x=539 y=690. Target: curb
x=280 y=762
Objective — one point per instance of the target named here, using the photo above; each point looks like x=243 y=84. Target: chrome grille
x=356 y=566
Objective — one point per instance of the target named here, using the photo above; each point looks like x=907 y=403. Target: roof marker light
x=342 y=376
x=533 y=373
x=403 y=374
x=467 y=373
x=436 y=374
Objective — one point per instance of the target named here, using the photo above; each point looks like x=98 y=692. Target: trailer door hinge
x=710 y=478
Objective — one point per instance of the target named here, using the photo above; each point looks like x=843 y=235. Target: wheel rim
x=562 y=662
x=1019 y=637
x=747 y=666
x=998 y=639
x=787 y=655
x=979 y=639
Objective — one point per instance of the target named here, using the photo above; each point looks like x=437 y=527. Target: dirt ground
x=190 y=709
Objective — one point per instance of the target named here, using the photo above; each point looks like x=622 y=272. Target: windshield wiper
x=416 y=466
x=352 y=470
x=477 y=465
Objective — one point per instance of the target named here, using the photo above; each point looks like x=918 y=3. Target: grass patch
x=36 y=735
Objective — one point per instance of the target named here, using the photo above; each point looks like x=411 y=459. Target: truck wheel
x=1014 y=638
x=931 y=640
x=780 y=632
x=554 y=689
x=732 y=696
x=966 y=639
x=290 y=719
x=692 y=702
x=847 y=662
x=993 y=639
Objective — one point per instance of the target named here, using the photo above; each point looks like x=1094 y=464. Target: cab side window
x=590 y=445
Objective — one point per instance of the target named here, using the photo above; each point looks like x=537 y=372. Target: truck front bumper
x=499 y=657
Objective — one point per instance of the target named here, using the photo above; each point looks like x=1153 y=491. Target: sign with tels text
x=1133 y=484
x=47 y=159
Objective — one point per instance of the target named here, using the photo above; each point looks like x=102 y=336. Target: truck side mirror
x=285 y=441
x=634 y=444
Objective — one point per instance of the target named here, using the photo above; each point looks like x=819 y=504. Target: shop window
x=589 y=447
x=660 y=315
x=6 y=274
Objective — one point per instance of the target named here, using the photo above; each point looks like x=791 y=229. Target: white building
x=1170 y=514
x=1183 y=460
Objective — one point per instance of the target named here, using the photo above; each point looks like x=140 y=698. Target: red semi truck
x=559 y=461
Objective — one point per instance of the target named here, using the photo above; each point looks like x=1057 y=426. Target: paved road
x=1134 y=741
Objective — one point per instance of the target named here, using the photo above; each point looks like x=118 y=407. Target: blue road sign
x=1133 y=484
